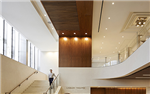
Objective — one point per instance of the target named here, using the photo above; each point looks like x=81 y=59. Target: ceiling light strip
x=100 y=15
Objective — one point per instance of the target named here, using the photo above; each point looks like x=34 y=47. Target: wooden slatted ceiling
x=70 y=16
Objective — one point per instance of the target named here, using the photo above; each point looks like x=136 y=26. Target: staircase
x=37 y=87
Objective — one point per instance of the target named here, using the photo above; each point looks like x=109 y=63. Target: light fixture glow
x=113 y=3
x=137 y=25
x=118 y=42
x=141 y=25
x=139 y=22
x=76 y=39
x=104 y=36
x=106 y=28
x=86 y=33
x=62 y=33
x=52 y=28
x=102 y=42
x=108 y=17
x=122 y=36
x=65 y=38
x=144 y=23
x=86 y=38
x=74 y=33
x=44 y=14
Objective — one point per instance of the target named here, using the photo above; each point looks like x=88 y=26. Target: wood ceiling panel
x=70 y=16
x=63 y=14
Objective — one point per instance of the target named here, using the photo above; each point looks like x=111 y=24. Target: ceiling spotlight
x=116 y=47
x=102 y=42
x=44 y=14
x=118 y=42
x=113 y=3
x=74 y=33
x=108 y=17
x=122 y=36
x=62 y=33
x=144 y=23
x=101 y=47
x=104 y=36
x=86 y=33
x=140 y=21
x=137 y=25
x=76 y=39
x=65 y=39
x=141 y=25
x=106 y=28
x=86 y=38
x=52 y=28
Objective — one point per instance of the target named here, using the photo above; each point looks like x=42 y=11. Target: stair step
x=37 y=87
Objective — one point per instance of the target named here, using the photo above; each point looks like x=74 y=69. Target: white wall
x=49 y=60
x=79 y=81
x=138 y=60
x=0 y=74
x=13 y=73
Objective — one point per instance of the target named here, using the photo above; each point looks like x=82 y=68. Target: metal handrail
x=21 y=83
x=51 y=84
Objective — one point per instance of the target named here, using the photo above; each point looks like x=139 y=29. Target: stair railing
x=51 y=85
x=21 y=82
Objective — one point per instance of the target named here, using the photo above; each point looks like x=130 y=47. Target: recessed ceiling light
x=102 y=42
x=104 y=36
x=45 y=15
x=141 y=25
x=86 y=33
x=86 y=38
x=108 y=17
x=101 y=47
x=76 y=39
x=74 y=33
x=118 y=42
x=65 y=38
x=122 y=36
x=113 y=3
x=62 y=33
x=106 y=28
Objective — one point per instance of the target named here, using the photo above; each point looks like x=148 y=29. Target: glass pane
x=29 y=59
x=8 y=32
x=1 y=35
x=36 y=58
x=22 y=49
x=16 y=41
x=32 y=56
x=13 y=45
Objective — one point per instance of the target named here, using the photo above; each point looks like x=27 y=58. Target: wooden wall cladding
x=75 y=51
x=118 y=90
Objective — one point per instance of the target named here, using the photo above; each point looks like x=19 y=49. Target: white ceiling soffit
x=108 y=42
x=24 y=18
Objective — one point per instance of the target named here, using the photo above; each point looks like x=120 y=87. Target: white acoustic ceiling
x=25 y=19
x=118 y=13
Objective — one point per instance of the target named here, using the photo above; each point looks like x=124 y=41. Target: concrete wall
x=49 y=60
x=13 y=72
x=79 y=81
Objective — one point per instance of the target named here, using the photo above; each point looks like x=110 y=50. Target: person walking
x=51 y=76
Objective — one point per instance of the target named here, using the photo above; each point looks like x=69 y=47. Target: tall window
x=7 y=40
x=16 y=40
x=32 y=56
x=1 y=35
x=22 y=49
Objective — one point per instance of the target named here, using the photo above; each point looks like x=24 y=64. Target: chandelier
x=140 y=21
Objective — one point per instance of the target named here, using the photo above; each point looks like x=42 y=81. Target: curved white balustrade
x=137 y=61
